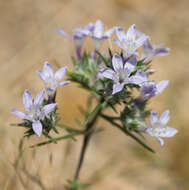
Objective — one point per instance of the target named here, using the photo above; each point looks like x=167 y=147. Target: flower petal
x=132 y=60
x=141 y=40
x=148 y=45
x=117 y=88
x=160 y=140
x=42 y=76
x=20 y=114
x=60 y=31
x=131 y=33
x=168 y=132
x=161 y=51
x=161 y=86
x=121 y=34
x=39 y=98
x=108 y=73
x=153 y=118
x=37 y=128
x=164 y=118
x=64 y=83
x=117 y=42
x=60 y=73
x=48 y=70
x=27 y=100
x=99 y=29
x=109 y=32
x=117 y=62
x=48 y=108
x=149 y=89
x=129 y=68
x=139 y=78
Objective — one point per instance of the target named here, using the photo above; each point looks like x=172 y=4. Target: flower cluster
x=41 y=113
x=113 y=78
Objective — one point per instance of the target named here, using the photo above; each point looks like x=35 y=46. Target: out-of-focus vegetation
x=28 y=38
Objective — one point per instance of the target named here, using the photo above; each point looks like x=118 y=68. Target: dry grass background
x=28 y=38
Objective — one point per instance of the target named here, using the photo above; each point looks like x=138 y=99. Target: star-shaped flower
x=121 y=74
x=129 y=41
x=35 y=111
x=158 y=128
x=99 y=35
x=150 y=89
x=51 y=80
x=150 y=51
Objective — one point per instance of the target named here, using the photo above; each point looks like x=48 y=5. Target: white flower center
x=129 y=46
x=121 y=76
x=158 y=130
x=35 y=113
x=51 y=83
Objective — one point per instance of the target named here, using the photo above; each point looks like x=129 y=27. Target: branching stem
x=92 y=118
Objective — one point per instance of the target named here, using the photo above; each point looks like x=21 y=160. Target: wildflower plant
x=112 y=78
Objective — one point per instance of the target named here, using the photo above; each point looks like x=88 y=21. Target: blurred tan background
x=28 y=38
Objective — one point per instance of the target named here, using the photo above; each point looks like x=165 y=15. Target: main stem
x=87 y=137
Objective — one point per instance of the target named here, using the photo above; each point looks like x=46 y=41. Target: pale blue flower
x=79 y=34
x=35 y=111
x=52 y=80
x=121 y=75
x=129 y=41
x=150 y=89
x=158 y=128
x=150 y=51
x=99 y=35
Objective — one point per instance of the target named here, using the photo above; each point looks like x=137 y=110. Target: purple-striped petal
x=129 y=68
x=149 y=89
x=109 y=32
x=148 y=45
x=64 y=83
x=27 y=99
x=164 y=118
x=132 y=60
x=39 y=98
x=108 y=73
x=168 y=132
x=117 y=62
x=131 y=33
x=48 y=108
x=60 y=31
x=161 y=86
x=20 y=114
x=139 y=78
x=153 y=118
x=48 y=70
x=161 y=51
x=42 y=75
x=60 y=73
x=37 y=128
x=117 y=88
x=121 y=34
x=141 y=40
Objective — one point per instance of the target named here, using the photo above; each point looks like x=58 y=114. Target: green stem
x=110 y=120
x=71 y=135
x=92 y=118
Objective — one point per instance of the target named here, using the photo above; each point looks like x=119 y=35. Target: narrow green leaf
x=71 y=135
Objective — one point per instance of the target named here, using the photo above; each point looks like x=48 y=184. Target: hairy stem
x=92 y=118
